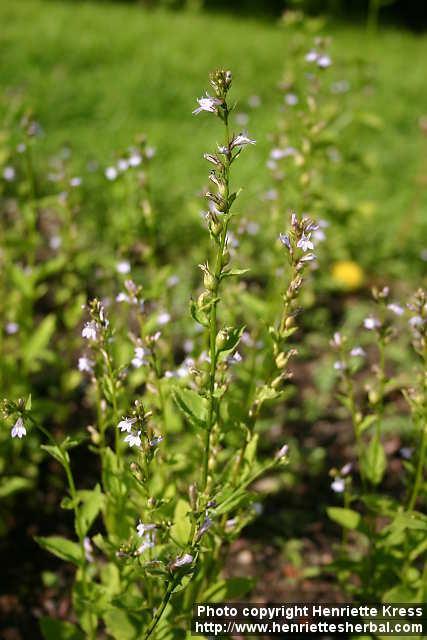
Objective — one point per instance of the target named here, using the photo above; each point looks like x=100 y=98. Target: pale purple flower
x=336 y=340
x=123 y=266
x=358 y=352
x=324 y=61
x=338 y=485
x=207 y=104
x=278 y=154
x=88 y=549
x=150 y=152
x=339 y=365
x=85 y=364
x=406 y=452
x=271 y=194
x=207 y=523
x=111 y=173
x=416 y=321
x=291 y=99
x=156 y=441
x=140 y=357
x=55 y=242
x=370 y=323
x=241 y=140
x=126 y=424
x=12 y=328
x=254 y=101
x=75 y=182
x=305 y=242
x=172 y=281
x=123 y=165
x=346 y=469
x=182 y=561
x=90 y=330
x=396 y=309
x=9 y=174
x=309 y=257
x=163 y=318
x=242 y=119
x=21 y=148
x=133 y=440
x=147 y=544
x=18 y=429
x=142 y=528
x=284 y=239
x=134 y=159
x=283 y=451
x=122 y=297
x=312 y=56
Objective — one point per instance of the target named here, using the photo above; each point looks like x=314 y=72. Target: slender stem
x=171 y=586
x=213 y=315
x=419 y=471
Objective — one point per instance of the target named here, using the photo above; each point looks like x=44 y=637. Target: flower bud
x=209 y=281
x=225 y=258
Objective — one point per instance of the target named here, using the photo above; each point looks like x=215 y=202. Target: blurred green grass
x=96 y=74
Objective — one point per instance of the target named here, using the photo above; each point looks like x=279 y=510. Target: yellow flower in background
x=347 y=274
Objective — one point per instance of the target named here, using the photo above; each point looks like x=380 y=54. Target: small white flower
x=122 y=297
x=55 y=242
x=324 y=61
x=312 y=56
x=416 y=321
x=18 y=429
x=370 y=323
x=111 y=173
x=283 y=451
x=9 y=174
x=207 y=104
x=163 y=318
x=271 y=194
x=133 y=440
x=338 y=485
x=242 y=119
x=75 y=182
x=284 y=239
x=126 y=424
x=172 y=281
x=122 y=165
x=134 y=159
x=305 y=242
x=339 y=365
x=21 y=148
x=346 y=469
x=88 y=549
x=12 y=328
x=396 y=309
x=123 y=267
x=337 y=339
x=241 y=140
x=156 y=441
x=358 y=352
x=188 y=345
x=147 y=544
x=182 y=561
x=140 y=357
x=85 y=364
x=142 y=528
x=254 y=101
x=150 y=152
x=291 y=99
x=90 y=330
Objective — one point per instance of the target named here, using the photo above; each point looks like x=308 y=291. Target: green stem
x=171 y=586
x=419 y=471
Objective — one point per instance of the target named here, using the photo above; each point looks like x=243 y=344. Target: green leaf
x=120 y=625
x=374 y=461
x=250 y=451
x=62 y=548
x=54 y=451
x=39 y=339
x=92 y=504
x=181 y=528
x=347 y=518
x=234 y=272
x=224 y=590
x=13 y=484
x=193 y=406
x=367 y=422
x=229 y=338
x=59 y=630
